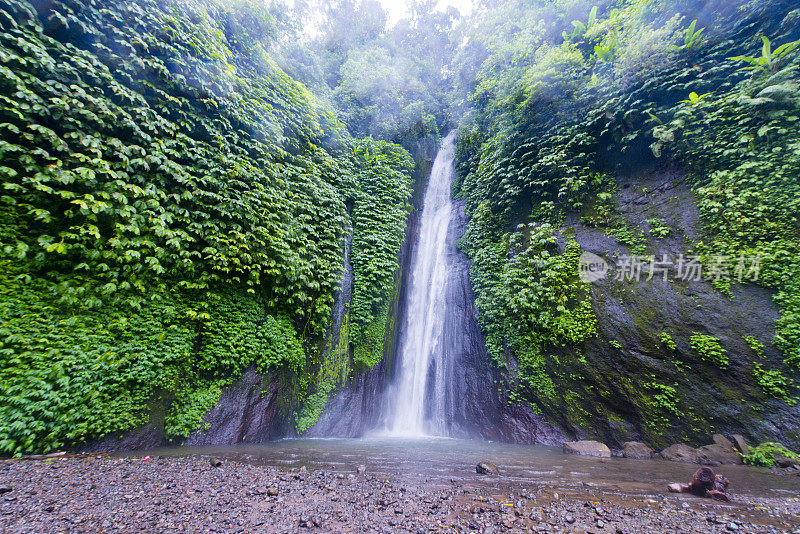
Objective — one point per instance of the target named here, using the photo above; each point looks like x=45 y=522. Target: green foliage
x=658 y=229
x=579 y=28
x=379 y=215
x=764 y=454
x=616 y=344
x=692 y=38
x=311 y=410
x=742 y=149
x=667 y=340
x=773 y=383
x=664 y=404
x=368 y=351
x=556 y=123
x=769 y=61
x=694 y=98
x=174 y=209
x=74 y=374
x=528 y=295
x=755 y=345
x=607 y=50
x=709 y=349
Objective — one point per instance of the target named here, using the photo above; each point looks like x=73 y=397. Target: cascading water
x=442 y=380
x=416 y=404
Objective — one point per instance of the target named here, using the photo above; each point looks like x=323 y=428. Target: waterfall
x=416 y=403
x=441 y=381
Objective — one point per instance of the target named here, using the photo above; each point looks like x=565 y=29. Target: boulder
x=487 y=468
x=587 y=448
x=680 y=453
x=636 y=450
x=721 y=440
x=786 y=462
x=741 y=444
x=716 y=454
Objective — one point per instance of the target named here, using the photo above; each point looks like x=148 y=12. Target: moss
x=333 y=371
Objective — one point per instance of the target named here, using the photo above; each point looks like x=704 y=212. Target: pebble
x=185 y=495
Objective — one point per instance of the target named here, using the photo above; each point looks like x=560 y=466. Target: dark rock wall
x=245 y=413
x=616 y=400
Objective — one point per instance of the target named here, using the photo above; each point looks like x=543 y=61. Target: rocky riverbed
x=96 y=493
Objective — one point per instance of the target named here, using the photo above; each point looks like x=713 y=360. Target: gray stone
x=636 y=450
x=716 y=454
x=487 y=468
x=741 y=444
x=587 y=448
x=680 y=453
x=721 y=440
x=786 y=462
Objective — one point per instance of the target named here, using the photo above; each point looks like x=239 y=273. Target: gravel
x=190 y=494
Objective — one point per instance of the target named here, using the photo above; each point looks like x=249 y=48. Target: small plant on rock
x=667 y=340
x=710 y=350
x=769 y=60
x=773 y=383
x=765 y=453
x=756 y=345
x=692 y=38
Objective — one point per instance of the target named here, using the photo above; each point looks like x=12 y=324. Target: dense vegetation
x=559 y=118
x=181 y=179
x=174 y=210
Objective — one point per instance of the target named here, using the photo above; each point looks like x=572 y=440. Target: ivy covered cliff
x=650 y=134
x=175 y=210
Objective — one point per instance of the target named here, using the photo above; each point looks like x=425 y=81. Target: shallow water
x=444 y=459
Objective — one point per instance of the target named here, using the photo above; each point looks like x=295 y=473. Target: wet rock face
x=245 y=413
x=587 y=448
x=145 y=437
x=716 y=454
x=355 y=408
x=478 y=406
x=628 y=361
x=720 y=452
x=741 y=444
